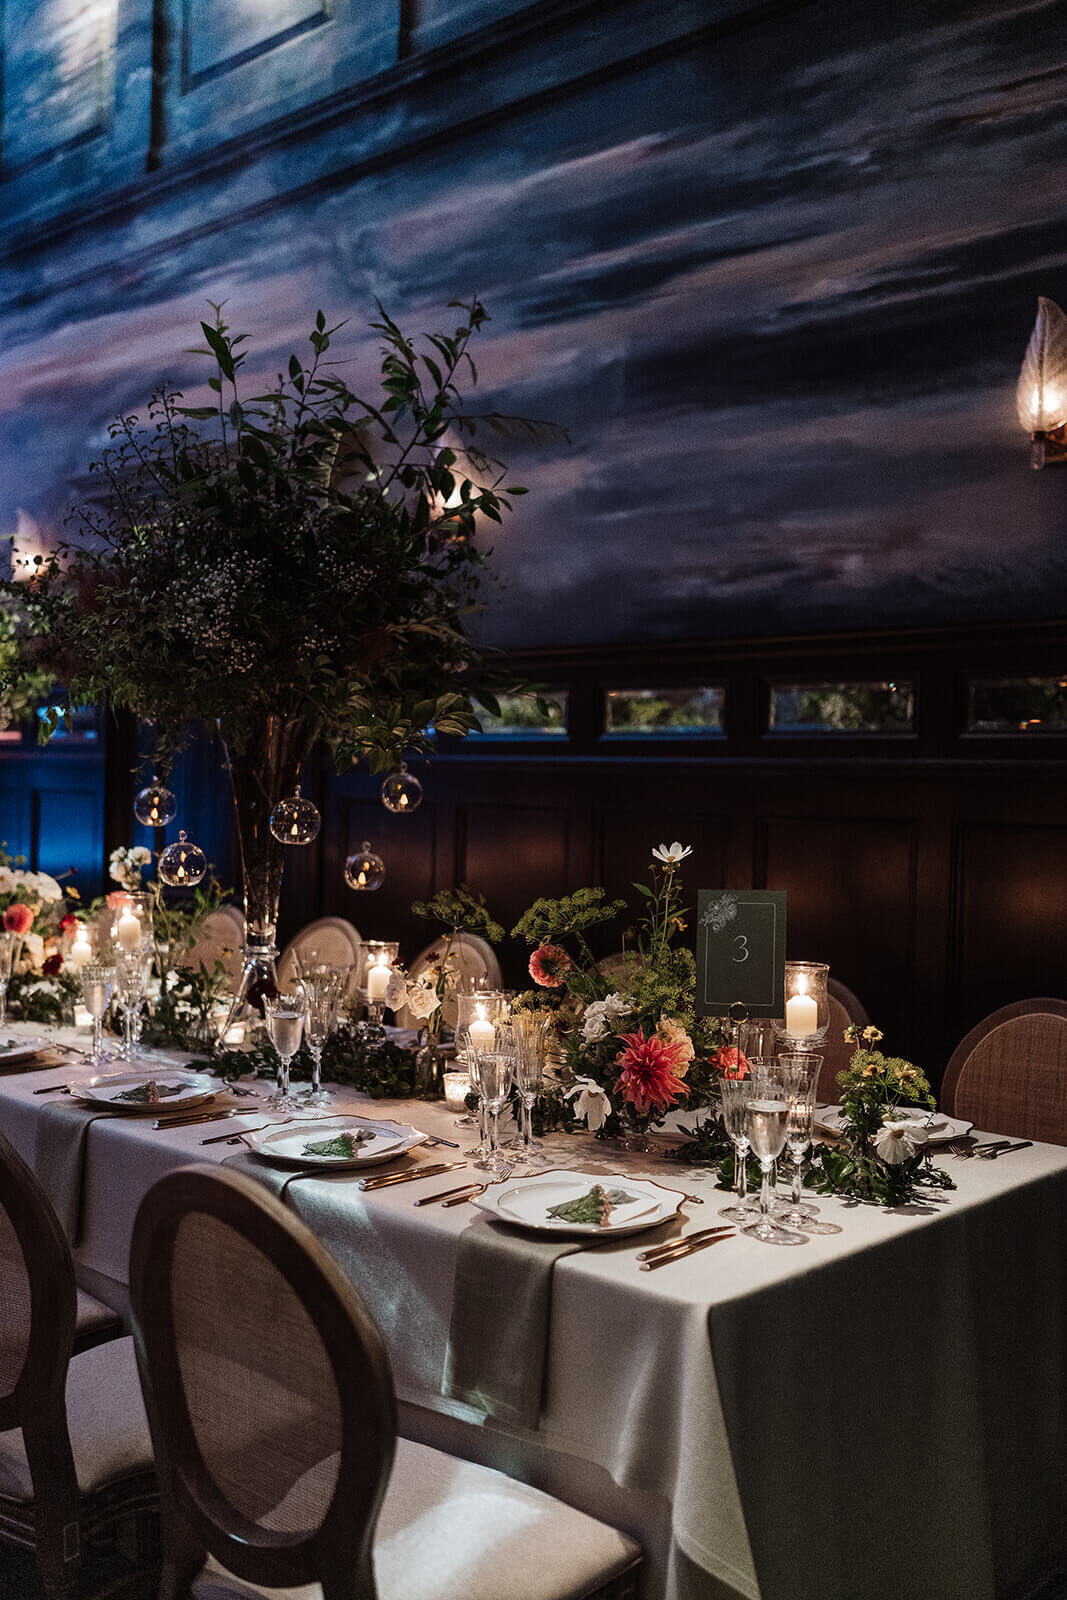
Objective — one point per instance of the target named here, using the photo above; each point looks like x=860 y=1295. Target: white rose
x=33 y=949
x=899 y=1141
x=601 y=1016
x=422 y=1000
x=8 y=881
x=397 y=991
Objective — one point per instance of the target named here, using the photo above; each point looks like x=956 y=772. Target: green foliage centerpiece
x=882 y=1152
x=286 y=566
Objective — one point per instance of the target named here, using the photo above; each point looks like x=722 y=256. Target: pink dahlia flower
x=549 y=965
x=648 y=1072
x=18 y=918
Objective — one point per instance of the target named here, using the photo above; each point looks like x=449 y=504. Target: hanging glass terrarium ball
x=295 y=820
x=182 y=864
x=365 y=870
x=401 y=792
x=155 y=806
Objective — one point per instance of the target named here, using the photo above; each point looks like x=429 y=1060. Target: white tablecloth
x=878 y=1414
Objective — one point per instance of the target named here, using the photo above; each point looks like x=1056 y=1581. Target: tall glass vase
x=264 y=764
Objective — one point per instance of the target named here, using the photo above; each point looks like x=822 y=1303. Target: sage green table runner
x=61 y=1158
x=498 y=1333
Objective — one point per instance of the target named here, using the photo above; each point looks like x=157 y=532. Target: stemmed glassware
x=9 y=943
x=97 y=981
x=800 y=1076
x=766 y=1122
x=529 y=1032
x=735 y=1094
x=322 y=995
x=132 y=969
x=285 y=1026
x=493 y=1071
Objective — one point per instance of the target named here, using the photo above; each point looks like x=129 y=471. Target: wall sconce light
x=1042 y=392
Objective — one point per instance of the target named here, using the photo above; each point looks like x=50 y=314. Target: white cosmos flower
x=672 y=854
x=899 y=1141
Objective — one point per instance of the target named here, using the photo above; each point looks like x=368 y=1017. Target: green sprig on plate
x=594 y=1208
x=344 y=1146
x=149 y=1093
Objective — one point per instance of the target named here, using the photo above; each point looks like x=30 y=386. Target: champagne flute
x=494 y=1069
x=285 y=1026
x=9 y=943
x=322 y=995
x=766 y=1122
x=132 y=968
x=529 y=1035
x=97 y=981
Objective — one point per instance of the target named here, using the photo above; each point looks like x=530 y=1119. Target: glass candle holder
x=457 y=1088
x=376 y=960
x=477 y=1016
x=126 y=921
x=807 y=1005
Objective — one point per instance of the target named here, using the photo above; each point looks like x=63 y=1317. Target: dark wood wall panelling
x=930 y=872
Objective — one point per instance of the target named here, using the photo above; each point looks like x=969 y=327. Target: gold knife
x=682 y=1239
x=389 y=1178
x=685 y=1249
x=192 y=1117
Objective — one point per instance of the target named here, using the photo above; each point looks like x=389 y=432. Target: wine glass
x=285 y=1027
x=132 y=967
x=322 y=996
x=9 y=943
x=529 y=1035
x=766 y=1122
x=97 y=981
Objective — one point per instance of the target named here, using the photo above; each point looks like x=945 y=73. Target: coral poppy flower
x=730 y=1062
x=18 y=918
x=549 y=965
x=648 y=1076
x=117 y=898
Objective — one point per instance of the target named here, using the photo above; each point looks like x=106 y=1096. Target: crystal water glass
x=9 y=943
x=529 y=1031
x=285 y=1027
x=735 y=1093
x=799 y=1075
x=97 y=984
x=322 y=997
x=766 y=1123
x=132 y=970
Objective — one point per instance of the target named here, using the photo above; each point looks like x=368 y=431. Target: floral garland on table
x=627 y=1044
x=881 y=1155
x=37 y=910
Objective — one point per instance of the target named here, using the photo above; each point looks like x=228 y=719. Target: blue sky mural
x=775 y=277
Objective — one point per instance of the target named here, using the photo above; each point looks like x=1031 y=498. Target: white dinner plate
x=12 y=1050
x=111 y=1089
x=942 y=1128
x=527 y=1204
x=288 y=1143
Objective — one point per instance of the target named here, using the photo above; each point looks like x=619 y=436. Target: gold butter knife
x=683 y=1239
x=191 y=1118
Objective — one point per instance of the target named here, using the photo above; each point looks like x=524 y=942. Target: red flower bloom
x=549 y=965
x=730 y=1062
x=69 y=923
x=648 y=1077
x=18 y=918
x=53 y=965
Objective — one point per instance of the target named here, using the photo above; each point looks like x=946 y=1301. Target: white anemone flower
x=672 y=855
x=590 y=1102
x=899 y=1141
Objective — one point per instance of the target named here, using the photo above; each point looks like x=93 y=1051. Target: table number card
x=740 y=952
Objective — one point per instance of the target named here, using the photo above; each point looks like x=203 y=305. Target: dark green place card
x=740 y=952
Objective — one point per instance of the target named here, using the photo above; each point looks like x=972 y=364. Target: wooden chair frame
x=197 y=1517
x=57 y=1522
x=959 y=1058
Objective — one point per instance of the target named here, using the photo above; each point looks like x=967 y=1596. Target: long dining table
x=878 y=1415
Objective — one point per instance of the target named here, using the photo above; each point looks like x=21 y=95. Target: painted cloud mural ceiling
x=775 y=284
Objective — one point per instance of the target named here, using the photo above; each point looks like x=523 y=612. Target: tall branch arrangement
x=301 y=553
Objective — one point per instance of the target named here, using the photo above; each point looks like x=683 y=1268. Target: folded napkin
x=276 y=1179
x=498 y=1335
x=64 y=1128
